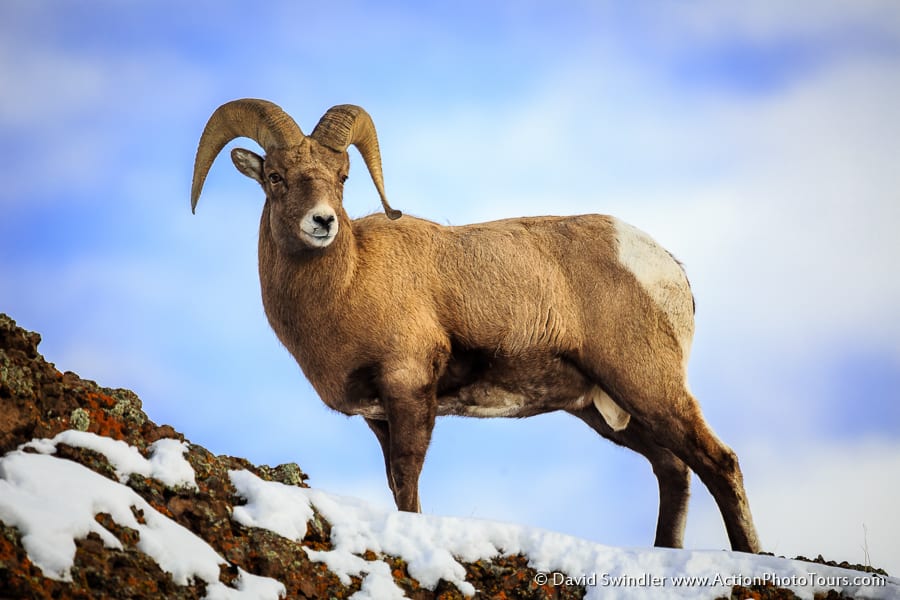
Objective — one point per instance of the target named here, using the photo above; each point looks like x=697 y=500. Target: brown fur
x=403 y=321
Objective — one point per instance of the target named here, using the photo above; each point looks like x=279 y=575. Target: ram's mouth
x=318 y=239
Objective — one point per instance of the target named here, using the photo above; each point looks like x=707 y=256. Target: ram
x=401 y=320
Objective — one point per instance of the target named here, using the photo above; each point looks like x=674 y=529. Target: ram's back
x=536 y=282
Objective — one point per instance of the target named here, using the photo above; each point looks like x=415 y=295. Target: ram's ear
x=248 y=163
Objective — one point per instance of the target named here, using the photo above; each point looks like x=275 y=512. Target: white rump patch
x=661 y=277
x=614 y=415
x=658 y=272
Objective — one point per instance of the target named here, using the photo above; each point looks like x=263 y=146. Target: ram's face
x=304 y=187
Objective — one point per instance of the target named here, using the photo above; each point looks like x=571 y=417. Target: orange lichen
x=369 y=555
x=9 y=554
x=96 y=405
x=103 y=424
x=20 y=566
x=100 y=400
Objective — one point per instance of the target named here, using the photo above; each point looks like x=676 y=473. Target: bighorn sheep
x=403 y=320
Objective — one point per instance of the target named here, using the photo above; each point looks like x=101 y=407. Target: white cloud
x=814 y=251
x=77 y=113
x=48 y=85
x=765 y=22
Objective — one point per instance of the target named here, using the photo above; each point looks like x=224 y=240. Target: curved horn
x=260 y=120
x=347 y=124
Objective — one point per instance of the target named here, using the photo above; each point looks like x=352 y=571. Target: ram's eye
x=343 y=178
x=275 y=178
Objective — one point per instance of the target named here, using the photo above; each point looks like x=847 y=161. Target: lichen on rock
x=80 y=419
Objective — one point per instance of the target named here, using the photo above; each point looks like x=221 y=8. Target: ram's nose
x=323 y=221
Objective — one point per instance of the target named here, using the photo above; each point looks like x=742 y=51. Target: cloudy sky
x=759 y=142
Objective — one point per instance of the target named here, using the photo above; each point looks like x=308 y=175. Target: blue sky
x=757 y=141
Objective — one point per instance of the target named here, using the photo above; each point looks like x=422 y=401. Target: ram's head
x=302 y=176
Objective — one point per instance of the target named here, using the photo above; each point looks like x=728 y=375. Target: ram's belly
x=490 y=403
x=512 y=386
x=479 y=384
x=487 y=399
x=493 y=401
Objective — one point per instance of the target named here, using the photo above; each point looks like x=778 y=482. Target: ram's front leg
x=410 y=407
x=381 y=431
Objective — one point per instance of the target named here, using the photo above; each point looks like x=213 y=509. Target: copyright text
x=649 y=580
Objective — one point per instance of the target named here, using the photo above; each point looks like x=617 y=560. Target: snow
x=248 y=587
x=265 y=510
x=53 y=502
x=434 y=546
x=166 y=463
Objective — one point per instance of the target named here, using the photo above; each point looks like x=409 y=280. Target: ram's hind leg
x=673 y=419
x=682 y=428
x=645 y=375
x=672 y=475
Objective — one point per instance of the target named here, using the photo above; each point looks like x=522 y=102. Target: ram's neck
x=301 y=291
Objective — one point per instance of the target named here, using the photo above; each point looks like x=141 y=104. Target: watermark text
x=649 y=580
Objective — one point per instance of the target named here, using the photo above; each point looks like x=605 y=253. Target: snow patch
x=247 y=587
x=434 y=546
x=53 y=502
x=166 y=463
x=265 y=506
